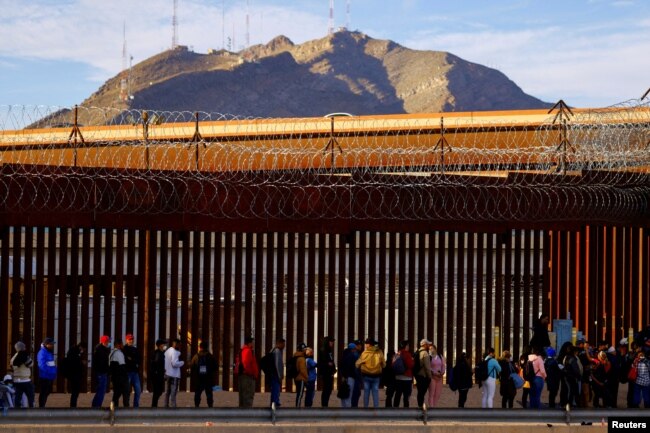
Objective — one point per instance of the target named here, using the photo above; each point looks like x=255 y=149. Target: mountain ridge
x=346 y=71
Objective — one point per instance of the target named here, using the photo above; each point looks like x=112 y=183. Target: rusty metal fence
x=451 y=287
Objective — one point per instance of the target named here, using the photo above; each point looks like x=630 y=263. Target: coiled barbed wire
x=155 y=162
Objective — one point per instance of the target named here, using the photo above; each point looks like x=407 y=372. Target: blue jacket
x=311 y=370
x=493 y=368
x=46 y=364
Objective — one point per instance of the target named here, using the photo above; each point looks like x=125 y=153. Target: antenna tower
x=124 y=46
x=175 y=26
x=223 y=24
x=248 y=34
x=330 y=29
x=347 y=16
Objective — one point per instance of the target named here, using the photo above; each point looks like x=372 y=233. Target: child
x=7 y=392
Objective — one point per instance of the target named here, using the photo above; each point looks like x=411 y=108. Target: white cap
x=424 y=341
x=7 y=377
x=623 y=342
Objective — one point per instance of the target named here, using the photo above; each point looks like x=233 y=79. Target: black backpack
x=292 y=367
x=417 y=365
x=398 y=365
x=202 y=365
x=481 y=372
x=267 y=363
x=529 y=371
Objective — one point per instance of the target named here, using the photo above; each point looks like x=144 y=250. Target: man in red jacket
x=248 y=373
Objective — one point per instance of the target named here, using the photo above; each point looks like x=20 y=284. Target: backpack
x=529 y=371
x=292 y=367
x=417 y=366
x=238 y=367
x=398 y=365
x=267 y=363
x=202 y=365
x=481 y=372
x=451 y=379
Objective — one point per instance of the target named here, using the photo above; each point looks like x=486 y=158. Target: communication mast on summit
x=175 y=26
x=330 y=29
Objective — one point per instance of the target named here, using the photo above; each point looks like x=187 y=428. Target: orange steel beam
x=279 y=144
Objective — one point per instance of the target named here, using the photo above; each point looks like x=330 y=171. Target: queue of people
x=578 y=375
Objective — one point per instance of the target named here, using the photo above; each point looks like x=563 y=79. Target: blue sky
x=591 y=53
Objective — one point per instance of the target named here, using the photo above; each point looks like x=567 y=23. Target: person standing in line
x=157 y=371
x=302 y=375
x=438 y=368
x=348 y=371
x=119 y=375
x=642 y=382
x=537 y=385
x=75 y=361
x=311 y=377
x=46 y=370
x=507 y=387
x=462 y=376
x=371 y=364
x=173 y=366
x=422 y=370
x=388 y=378
x=204 y=370
x=249 y=373
x=133 y=359
x=326 y=369
x=540 y=340
x=553 y=376
x=403 y=380
x=22 y=364
x=277 y=372
x=489 y=385
x=358 y=379
x=100 y=369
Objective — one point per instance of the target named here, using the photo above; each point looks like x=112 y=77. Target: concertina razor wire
x=159 y=162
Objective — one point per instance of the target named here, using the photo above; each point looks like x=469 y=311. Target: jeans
x=26 y=388
x=536 y=392
x=402 y=388
x=275 y=390
x=246 y=390
x=347 y=402
x=203 y=385
x=489 y=386
x=134 y=381
x=172 y=390
x=102 y=386
x=309 y=393
x=356 y=391
x=370 y=384
x=639 y=392
x=46 y=390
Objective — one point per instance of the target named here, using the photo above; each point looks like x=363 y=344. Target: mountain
x=344 y=72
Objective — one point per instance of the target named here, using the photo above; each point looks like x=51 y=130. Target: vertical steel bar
x=461 y=311
x=40 y=291
x=506 y=324
x=363 y=285
x=480 y=286
x=28 y=294
x=322 y=250
x=96 y=287
x=62 y=337
x=471 y=289
x=5 y=341
x=342 y=336
x=452 y=242
x=163 y=297
x=489 y=291
x=206 y=302
x=85 y=296
x=217 y=323
x=119 y=281
x=175 y=258
x=270 y=283
x=381 y=307
x=422 y=278
x=572 y=284
x=372 y=286
x=238 y=276
x=547 y=245
x=331 y=286
x=17 y=278
x=411 y=315
x=291 y=302
x=185 y=298
x=440 y=305
x=195 y=309
x=311 y=285
x=352 y=282
x=107 y=280
x=227 y=309
x=131 y=280
x=392 y=263
x=300 y=325
x=516 y=312
x=401 y=312
x=527 y=282
x=249 y=324
x=279 y=289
